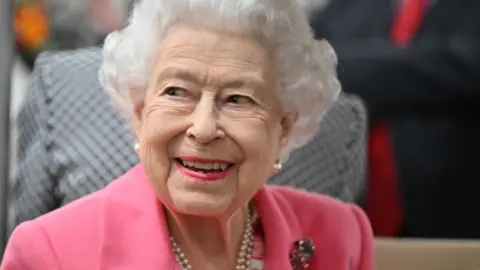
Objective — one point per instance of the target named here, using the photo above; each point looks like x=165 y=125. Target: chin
x=193 y=203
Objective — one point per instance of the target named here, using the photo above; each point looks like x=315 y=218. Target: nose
x=204 y=127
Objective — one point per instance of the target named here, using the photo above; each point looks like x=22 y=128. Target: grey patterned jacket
x=71 y=141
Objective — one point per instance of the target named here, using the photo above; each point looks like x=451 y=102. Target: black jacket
x=429 y=92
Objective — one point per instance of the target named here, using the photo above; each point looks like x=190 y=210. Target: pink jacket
x=121 y=228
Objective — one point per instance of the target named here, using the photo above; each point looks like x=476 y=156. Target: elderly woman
x=219 y=92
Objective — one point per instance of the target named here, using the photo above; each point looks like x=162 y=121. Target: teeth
x=223 y=166
x=205 y=165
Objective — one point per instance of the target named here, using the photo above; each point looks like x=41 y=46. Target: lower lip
x=204 y=176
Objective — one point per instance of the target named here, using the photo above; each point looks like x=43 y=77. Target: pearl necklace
x=244 y=257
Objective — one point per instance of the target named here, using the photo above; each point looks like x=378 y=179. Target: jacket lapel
x=134 y=219
x=280 y=230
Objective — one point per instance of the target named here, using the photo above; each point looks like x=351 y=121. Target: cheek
x=158 y=132
x=161 y=123
x=258 y=140
x=258 y=137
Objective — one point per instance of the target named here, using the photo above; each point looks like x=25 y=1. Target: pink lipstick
x=204 y=169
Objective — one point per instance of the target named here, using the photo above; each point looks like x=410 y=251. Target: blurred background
x=42 y=25
x=45 y=25
x=55 y=25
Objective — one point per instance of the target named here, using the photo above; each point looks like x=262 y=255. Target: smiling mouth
x=204 y=167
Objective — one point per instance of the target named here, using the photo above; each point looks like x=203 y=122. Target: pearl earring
x=136 y=147
x=277 y=166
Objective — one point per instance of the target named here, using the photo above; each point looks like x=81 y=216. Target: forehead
x=201 y=51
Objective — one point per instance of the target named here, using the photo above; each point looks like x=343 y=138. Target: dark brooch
x=302 y=252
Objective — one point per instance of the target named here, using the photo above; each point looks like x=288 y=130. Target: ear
x=287 y=125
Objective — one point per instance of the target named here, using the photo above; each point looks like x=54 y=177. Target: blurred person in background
x=416 y=64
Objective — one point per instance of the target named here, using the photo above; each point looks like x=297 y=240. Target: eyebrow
x=229 y=81
x=177 y=73
x=243 y=80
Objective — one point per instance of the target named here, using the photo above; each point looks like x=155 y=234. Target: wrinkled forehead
x=223 y=53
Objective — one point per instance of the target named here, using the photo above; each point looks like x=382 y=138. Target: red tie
x=383 y=202
x=407 y=20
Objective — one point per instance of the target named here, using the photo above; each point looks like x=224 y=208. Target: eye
x=238 y=99
x=174 y=91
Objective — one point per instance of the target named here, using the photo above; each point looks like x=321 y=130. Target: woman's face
x=211 y=126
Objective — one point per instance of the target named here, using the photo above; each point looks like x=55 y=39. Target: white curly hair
x=306 y=68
